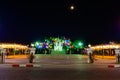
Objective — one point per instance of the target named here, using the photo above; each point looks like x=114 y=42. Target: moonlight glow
x=72 y=7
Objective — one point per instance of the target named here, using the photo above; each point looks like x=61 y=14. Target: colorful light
x=39 y=46
x=80 y=43
x=37 y=43
x=49 y=43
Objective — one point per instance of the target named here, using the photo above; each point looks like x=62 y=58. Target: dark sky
x=27 y=21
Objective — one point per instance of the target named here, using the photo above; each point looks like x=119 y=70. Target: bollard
x=2 y=59
x=31 y=57
x=90 y=55
x=117 y=53
x=2 y=55
x=117 y=59
x=90 y=59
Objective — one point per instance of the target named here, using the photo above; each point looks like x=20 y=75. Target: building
x=105 y=49
x=13 y=48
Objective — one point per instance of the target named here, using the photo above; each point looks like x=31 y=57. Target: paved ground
x=61 y=72
x=73 y=67
x=60 y=59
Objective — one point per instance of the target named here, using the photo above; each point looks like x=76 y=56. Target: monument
x=58 y=47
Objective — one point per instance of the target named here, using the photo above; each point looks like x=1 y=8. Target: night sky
x=28 y=21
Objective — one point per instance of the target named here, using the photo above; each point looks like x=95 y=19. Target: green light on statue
x=36 y=43
x=80 y=43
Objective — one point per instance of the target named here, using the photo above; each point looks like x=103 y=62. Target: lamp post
x=89 y=45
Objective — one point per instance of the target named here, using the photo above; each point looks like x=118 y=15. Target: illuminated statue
x=58 y=45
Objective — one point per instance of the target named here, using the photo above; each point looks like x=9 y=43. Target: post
x=117 y=58
x=2 y=58
x=103 y=53
x=117 y=53
x=70 y=52
x=2 y=55
x=90 y=55
x=32 y=53
x=31 y=57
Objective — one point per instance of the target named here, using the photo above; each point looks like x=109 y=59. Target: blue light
x=39 y=46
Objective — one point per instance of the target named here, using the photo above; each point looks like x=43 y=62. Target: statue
x=58 y=45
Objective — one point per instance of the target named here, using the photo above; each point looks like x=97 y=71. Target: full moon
x=72 y=7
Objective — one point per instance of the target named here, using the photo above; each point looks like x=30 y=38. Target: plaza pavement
x=59 y=59
x=59 y=67
x=48 y=56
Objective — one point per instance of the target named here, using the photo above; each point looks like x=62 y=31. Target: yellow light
x=13 y=46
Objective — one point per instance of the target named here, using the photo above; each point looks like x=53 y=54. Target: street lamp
x=32 y=45
x=89 y=45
